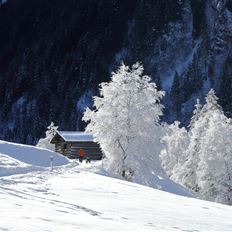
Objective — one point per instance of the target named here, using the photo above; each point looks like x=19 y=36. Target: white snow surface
x=82 y=197
x=75 y=199
x=11 y=166
x=31 y=155
x=73 y=136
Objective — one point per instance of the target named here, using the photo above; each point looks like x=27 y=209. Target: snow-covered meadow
x=75 y=197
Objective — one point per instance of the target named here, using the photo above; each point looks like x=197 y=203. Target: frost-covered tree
x=211 y=104
x=125 y=120
x=45 y=142
x=196 y=114
x=200 y=124
x=173 y=156
x=214 y=172
x=201 y=159
x=179 y=158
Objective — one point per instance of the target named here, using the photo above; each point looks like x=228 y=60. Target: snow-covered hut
x=69 y=142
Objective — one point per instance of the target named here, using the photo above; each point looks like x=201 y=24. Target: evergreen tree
x=211 y=103
x=197 y=135
x=214 y=172
x=202 y=158
x=226 y=86
x=196 y=114
x=176 y=94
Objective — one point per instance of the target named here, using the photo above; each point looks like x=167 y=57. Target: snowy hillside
x=31 y=155
x=83 y=197
x=19 y=159
x=11 y=166
x=74 y=200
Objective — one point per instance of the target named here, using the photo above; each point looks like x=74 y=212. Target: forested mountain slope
x=53 y=55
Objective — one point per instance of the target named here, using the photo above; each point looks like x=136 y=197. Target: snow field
x=71 y=200
x=75 y=198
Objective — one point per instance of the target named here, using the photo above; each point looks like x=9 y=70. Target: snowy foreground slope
x=74 y=197
x=18 y=158
x=11 y=166
x=31 y=154
x=71 y=199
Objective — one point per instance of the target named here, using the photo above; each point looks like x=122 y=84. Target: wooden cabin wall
x=70 y=149
x=63 y=148
x=92 y=150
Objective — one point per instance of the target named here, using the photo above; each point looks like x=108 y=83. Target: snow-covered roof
x=72 y=136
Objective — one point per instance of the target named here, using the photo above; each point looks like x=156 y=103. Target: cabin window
x=65 y=146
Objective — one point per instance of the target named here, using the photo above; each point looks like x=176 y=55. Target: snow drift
x=31 y=155
x=10 y=166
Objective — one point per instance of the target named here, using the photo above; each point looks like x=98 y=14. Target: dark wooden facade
x=70 y=148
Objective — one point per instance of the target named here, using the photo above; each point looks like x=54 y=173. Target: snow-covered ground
x=11 y=166
x=74 y=200
x=18 y=158
x=78 y=197
x=31 y=155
